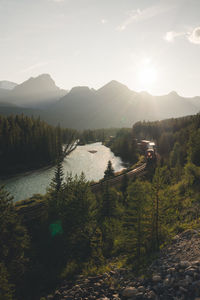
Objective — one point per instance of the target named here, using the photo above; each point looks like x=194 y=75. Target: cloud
x=133 y=16
x=35 y=66
x=194 y=36
x=171 y=35
x=142 y=15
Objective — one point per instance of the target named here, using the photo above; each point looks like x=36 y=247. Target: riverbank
x=27 y=170
x=26 y=184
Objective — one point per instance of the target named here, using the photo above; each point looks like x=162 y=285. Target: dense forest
x=124 y=144
x=77 y=232
x=96 y=135
x=28 y=143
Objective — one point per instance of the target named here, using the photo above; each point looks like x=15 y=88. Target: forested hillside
x=28 y=143
x=75 y=231
x=124 y=145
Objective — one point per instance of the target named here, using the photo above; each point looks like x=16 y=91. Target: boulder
x=156 y=278
x=129 y=292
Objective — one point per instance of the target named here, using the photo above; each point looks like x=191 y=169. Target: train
x=148 y=148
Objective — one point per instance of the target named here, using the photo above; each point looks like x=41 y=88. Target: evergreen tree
x=108 y=204
x=194 y=147
x=22 y=137
x=123 y=188
x=109 y=172
x=108 y=212
x=57 y=181
x=136 y=216
x=6 y=288
x=160 y=179
x=14 y=242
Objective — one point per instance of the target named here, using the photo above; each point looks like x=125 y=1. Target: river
x=80 y=160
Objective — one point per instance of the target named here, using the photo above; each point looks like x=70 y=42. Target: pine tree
x=6 y=289
x=136 y=215
x=107 y=217
x=109 y=172
x=14 y=242
x=108 y=206
x=57 y=181
x=160 y=178
x=123 y=188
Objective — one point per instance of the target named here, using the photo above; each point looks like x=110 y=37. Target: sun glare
x=148 y=76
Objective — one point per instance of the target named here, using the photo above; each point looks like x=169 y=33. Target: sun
x=148 y=76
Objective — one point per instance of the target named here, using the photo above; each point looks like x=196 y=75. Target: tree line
x=124 y=144
x=27 y=143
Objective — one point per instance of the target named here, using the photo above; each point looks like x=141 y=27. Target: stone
x=182 y=283
x=86 y=281
x=195 y=262
x=151 y=295
x=57 y=295
x=182 y=289
x=166 y=282
x=188 y=279
x=129 y=292
x=139 y=295
x=190 y=271
x=97 y=284
x=184 y=264
x=171 y=270
x=141 y=288
x=156 y=278
x=196 y=276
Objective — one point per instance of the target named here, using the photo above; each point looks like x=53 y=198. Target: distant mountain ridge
x=113 y=105
x=34 y=92
x=7 y=85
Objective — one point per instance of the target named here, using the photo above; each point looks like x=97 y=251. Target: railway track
x=117 y=179
x=32 y=210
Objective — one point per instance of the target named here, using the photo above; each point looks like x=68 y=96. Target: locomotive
x=148 y=148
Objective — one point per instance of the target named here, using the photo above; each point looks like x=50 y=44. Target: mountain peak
x=173 y=93
x=113 y=86
x=41 y=83
x=44 y=75
x=7 y=85
x=80 y=89
x=145 y=94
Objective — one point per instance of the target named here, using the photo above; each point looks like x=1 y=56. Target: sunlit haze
x=145 y=44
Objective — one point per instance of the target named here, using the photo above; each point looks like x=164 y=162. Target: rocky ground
x=175 y=275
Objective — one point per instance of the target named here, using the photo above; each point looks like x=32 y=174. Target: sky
x=148 y=45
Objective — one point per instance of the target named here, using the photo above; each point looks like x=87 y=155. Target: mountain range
x=113 y=105
x=35 y=92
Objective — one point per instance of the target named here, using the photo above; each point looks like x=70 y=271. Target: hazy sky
x=151 y=45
